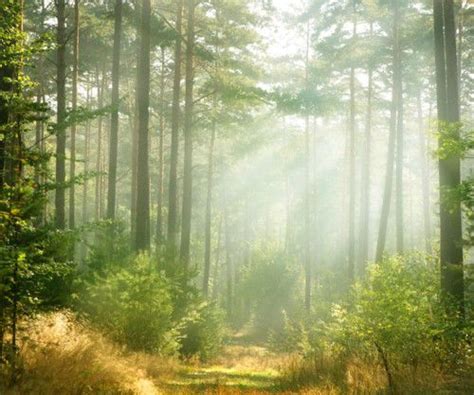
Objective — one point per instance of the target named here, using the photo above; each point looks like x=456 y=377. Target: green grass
x=197 y=380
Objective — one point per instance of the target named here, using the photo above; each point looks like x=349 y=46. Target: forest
x=236 y=197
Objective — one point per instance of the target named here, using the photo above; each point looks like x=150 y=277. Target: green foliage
x=148 y=304
x=202 y=331
x=113 y=250
x=133 y=304
x=396 y=314
x=454 y=140
x=293 y=338
x=270 y=288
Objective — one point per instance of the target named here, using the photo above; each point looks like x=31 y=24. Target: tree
x=75 y=77
x=188 y=138
x=114 y=122
x=366 y=164
x=173 y=178
x=142 y=225
x=61 y=39
x=451 y=250
x=159 y=205
x=396 y=76
x=352 y=153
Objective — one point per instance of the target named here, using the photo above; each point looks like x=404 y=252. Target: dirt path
x=248 y=369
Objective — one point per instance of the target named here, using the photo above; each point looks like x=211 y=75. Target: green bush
x=133 y=304
x=396 y=316
x=270 y=285
x=202 y=332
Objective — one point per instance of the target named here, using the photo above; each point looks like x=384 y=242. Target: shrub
x=202 y=332
x=393 y=323
x=270 y=286
x=133 y=304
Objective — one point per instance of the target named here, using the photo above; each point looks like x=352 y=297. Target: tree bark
x=207 y=231
x=72 y=162
x=425 y=188
x=173 y=177
x=114 y=119
x=100 y=83
x=365 y=177
x=215 y=276
x=188 y=139
x=60 y=194
x=451 y=250
x=307 y=214
x=387 y=196
x=159 y=206
x=352 y=125
x=399 y=167
x=142 y=226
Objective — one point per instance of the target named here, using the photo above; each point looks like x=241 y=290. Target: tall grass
x=336 y=375
x=62 y=356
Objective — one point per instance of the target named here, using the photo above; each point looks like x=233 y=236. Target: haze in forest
x=236 y=196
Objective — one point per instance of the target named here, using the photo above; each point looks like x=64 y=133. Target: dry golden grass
x=332 y=376
x=61 y=356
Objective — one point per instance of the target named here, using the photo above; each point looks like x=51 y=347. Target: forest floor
x=244 y=366
x=228 y=376
x=62 y=355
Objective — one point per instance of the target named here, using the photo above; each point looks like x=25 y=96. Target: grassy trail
x=241 y=368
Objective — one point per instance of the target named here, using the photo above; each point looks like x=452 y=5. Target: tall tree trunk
x=461 y=12
x=100 y=83
x=228 y=260
x=188 y=139
x=451 y=250
x=60 y=209
x=72 y=162
x=207 y=231
x=399 y=168
x=215 y=275
x=307 y=214
x=365 y=177
x=134 y=156
x=85 y=185
x=142 y=226
x=425 y=188
x=352 y=126
x=114 y=120
x=8 y=18
x=159 y=205
x=387 y=196
x=173 y=177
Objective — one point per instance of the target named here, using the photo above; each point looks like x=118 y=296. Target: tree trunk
x=424 y=177
x=60 y=213
x=228 y=261
x=85 y=185
x=100 y=83
x=215 y=276
x=451 y=250
x=365 y=177
x=207 y=231
x=142 y=225
x=387 y=196
x=352 y=125
x=173 y=181
x=188 y=142
x=307 y=214
x=159 y=206
x=399 y=168
x=72 y=162
x=114 y=120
